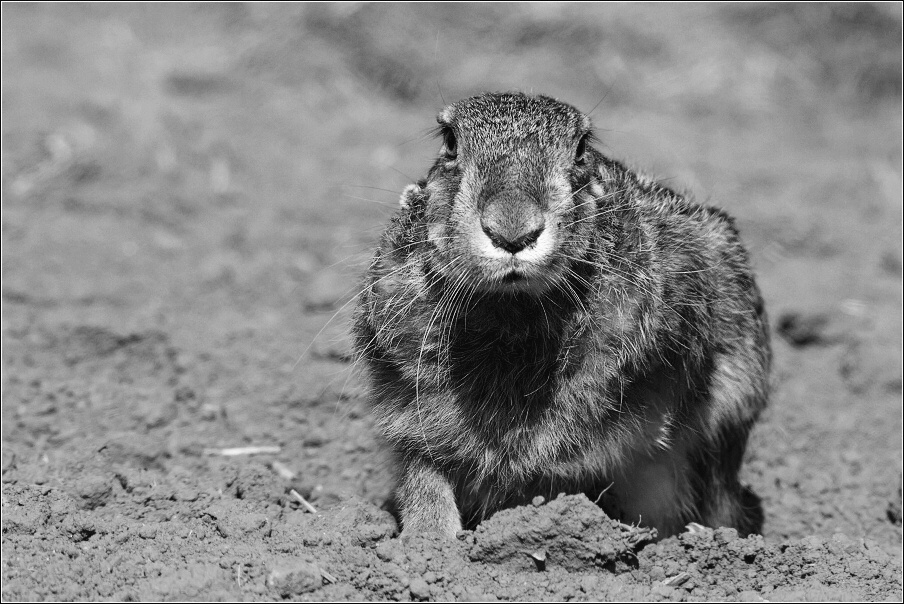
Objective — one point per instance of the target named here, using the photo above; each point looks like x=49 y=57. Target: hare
x=540 y=319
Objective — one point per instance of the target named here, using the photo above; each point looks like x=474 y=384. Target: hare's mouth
x=527 y=271
x=489 y=267
x=520 y=279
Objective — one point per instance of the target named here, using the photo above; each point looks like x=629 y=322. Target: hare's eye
x=581 y=150
x=450 y=144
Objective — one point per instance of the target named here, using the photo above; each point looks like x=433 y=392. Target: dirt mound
x=570 y=532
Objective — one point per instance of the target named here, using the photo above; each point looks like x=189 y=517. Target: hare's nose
x=512 y=223
x=512 y=241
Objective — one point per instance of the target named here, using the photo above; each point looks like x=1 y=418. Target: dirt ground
x=190 y=193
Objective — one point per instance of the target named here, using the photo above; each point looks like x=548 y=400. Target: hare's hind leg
x=737 y=395
x=668 y=488
x=654 y=488
x=687 y=470
x=721 y=498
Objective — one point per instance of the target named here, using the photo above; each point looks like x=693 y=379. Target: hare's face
x=512 y=195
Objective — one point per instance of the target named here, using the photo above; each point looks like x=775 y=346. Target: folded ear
x=409 y=196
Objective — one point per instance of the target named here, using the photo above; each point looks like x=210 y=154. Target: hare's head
x=512 y=197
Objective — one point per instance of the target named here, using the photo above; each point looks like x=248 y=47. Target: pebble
x=297 y=579
x=726 y=535
x=95 y=491
x=419 y=589
x=750 y=596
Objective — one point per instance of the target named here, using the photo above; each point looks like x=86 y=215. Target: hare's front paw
x=427 y=502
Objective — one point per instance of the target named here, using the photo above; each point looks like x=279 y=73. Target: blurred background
x=219 y=173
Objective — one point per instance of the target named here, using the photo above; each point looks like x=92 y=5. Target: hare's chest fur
x=511 y=411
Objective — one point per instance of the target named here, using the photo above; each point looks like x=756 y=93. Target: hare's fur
x=623 y=351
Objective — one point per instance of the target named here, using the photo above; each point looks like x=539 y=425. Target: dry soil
x=191 y=191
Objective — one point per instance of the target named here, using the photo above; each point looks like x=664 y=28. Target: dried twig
x=283 y=470
x=289 y=476
x=679 y=579
x=302 y=501
x=234 y=451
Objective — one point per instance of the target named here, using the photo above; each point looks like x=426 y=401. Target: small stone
x=94 y=491
x=538 y=501
x=663 y=590
x=148 y=532
x=672 y=568
x=300 y=578
x=210 y=411
x=812 y=542
x=419 y=589
x=726 y=535
x=875 y=554
x=750 y=596
x=186 y=494
x=390 y=552
x=539 y=558
x=473 y=595
x=589 y=584
x=841 y=538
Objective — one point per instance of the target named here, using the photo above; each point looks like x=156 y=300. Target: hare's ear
x=409 y=196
